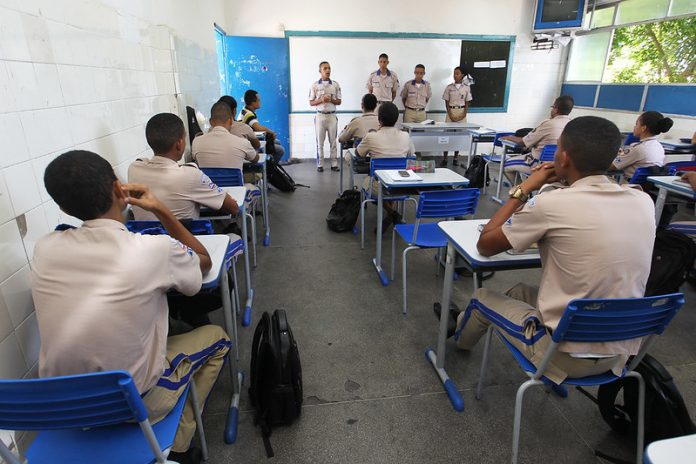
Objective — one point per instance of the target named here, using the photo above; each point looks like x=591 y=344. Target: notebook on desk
x=682 y=183
x=402 y=175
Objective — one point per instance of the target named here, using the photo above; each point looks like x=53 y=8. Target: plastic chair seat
x=429 y=235
x=492 y=158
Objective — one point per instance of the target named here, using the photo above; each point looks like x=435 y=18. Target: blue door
x=262 y=64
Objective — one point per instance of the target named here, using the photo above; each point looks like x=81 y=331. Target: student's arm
x=404 y=93
x=261 y=128
x=369 y=84
x=693 y=139
x=337 y=101
x=254 y=141
x=140 y=195
x=512 y=138
x=690 y=177
x=430 y=93
x=364 y=147
x=229 y=206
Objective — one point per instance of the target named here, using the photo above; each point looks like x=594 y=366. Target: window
x=587 y=57
x=632 y=11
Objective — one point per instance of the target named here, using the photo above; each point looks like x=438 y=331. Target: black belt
x=457 y=107
x=384 y=101
x=326 y=112
x=415 y=109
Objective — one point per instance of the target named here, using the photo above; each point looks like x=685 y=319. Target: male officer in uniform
x=324 y=96
x=415 y=96
x=238 y=128
x=383 y=83
x=457 y=96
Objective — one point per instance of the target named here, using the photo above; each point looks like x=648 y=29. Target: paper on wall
x=482 y=64
x=498 y=64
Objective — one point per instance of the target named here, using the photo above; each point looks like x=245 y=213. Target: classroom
x=529 y=165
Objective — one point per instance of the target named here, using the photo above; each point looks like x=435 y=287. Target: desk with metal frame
x=462 y=237
x=439 y=137
x=480 y=135
x=508 y=146
x=255 y=167
x=442 y=177
x=667 y=185
x=677 y=146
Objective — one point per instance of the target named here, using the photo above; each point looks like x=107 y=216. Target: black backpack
x=279 y=178
x=194 y=127
x=666 y=415
x=476 y=172
x=344 y=212
x=673 y=258
x=276 y=375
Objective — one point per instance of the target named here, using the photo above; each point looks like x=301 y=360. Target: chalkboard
x=487 y=62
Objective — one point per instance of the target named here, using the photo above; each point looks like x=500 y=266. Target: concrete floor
x=369 y=394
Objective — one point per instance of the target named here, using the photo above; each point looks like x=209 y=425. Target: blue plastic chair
x=195 y=226
x=97 y=417
x=446 y=204
x=368 y=196
x=630 y=138
x=677 y=166
x=640 y=175
x=546 y=156
x=492 y=158
x=585 y=321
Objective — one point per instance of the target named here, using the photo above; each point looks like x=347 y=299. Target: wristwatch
x=518 y=193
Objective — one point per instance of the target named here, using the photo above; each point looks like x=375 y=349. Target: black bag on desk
x=361 y=165
x=476 y=172
x=276 y=375
x=673 y=258
x=344 y=212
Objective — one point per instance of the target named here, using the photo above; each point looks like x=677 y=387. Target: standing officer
x=324 y=95
x=457 y=96
x=415 y=96
x=383 y=83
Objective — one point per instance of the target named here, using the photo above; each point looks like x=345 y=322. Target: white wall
x=536 y=75
x=88 y=75
x=684 y=126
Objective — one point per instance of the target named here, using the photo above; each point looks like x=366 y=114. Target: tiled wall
x=86 y=75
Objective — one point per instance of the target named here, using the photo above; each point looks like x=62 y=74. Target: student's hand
x=690 y=177
x=326 y=98
x=140 y=195
x=541 y=175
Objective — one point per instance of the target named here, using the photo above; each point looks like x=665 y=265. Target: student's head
x=252 y=99
x=369 y=103
x=231 y=102
x=82 y=184
x=563 y=105
x=325 y=70
x=387 y=114
x=587 y=144
x=221 y=115
x=165 y=134
x=419 y=72
x=458 y=74
x=651 y=123
x=383 y=61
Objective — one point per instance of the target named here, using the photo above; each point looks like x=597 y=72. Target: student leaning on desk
x=595 y=240
x=100 y=294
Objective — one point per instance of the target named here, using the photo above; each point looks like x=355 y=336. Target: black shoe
x=452 y=321
x=320 y=169
x=192 y=456
x=443 y=163
x=334 y=168
x=455 y=161
x=396 y=218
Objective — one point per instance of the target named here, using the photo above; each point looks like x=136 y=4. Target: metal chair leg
x=484 y=362
x=199 y=420
x=518 y=416
x=403 y=275
x=236 y=284
x=253 y=235
x=640 y=438
x=393 y=253
x=363 y=204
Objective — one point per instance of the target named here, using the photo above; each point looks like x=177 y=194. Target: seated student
x=358 y=127
x=238 y=128
x=648 y=151
x=546 y=133
x=252 y=102
x=182 y=188
x=100 y=294
x=595 y=239
x=387 y=142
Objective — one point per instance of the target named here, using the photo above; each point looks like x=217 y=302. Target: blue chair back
x=640 y=175
x=610 y=320
x=195 y=226
x=630 y=138
x=76 y=401
x=547 y=153
x=448 y=203
x=225 y=177
x=498 y=135
x=675 y=166
x=377 y=164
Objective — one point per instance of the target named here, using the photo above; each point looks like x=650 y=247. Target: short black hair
x=383 y=55
x=163 y=131
x=420 y=66
x=81 y=183
x=231 y=102
x=564 y=104
x=221 y=112
x=369 y=102
x=656 y=122
x=250 y=97
x=324 y=62
x=591 y=142
x=387 y=114
x=459 y=68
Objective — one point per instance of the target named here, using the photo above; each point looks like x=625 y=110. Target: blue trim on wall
x=672 y=99
x=626 y=97
x=583 y=94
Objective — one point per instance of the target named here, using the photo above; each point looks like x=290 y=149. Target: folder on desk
x=395 y=176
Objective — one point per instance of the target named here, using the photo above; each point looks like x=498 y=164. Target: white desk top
x=464 y=235
x=509 y=143
x=237 y=193
x=668 y=183
x=676 y=144
x=216 y=245
x=441 y=176
x=438 y=126
x=672 y=450
x=482 y=131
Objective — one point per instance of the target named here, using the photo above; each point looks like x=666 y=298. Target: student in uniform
x=416 y=95
x=252 y=102
x=238 y=128
x=324 y=96
x=546 y=133
x=100 y=294
x=383 y=83
x=457 y=97
x=648 y=151
x=358 y=127
x=587 y=224
x=388 y=141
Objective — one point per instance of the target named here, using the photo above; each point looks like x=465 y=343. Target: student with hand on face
x=324 y=96
x=416 y=95
x=252 y=102
x=100 y=294
x=648 y=151
x=383 y=83
x=457 y=96
x=238 y=128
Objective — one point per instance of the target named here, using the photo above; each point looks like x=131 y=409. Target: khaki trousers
x=414 y=116
x=326 y=124
x=197 y=355
x=517 y=306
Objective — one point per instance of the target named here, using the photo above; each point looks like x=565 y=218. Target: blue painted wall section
x=262 y=64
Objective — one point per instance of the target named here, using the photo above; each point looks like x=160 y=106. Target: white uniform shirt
x=386 y=142
x=220 y=149
x=383 y=86
x=100 y=294
x=416 y=94
x=647 y=152
x=243 y=130
x=546 y=133
x=457 y=94
x=319 y=89
x=358 y=127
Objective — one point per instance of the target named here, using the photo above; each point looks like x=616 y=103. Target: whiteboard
x=353 y=59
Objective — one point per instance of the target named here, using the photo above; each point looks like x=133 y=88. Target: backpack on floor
x=276 y=375
x=666 y=415
x=344 y=212
x=673 y=258
x=476 y=172
x=279 y=178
